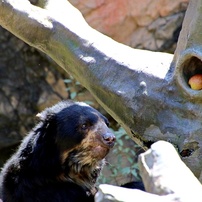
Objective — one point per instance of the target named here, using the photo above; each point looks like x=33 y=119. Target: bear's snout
x=109 y=139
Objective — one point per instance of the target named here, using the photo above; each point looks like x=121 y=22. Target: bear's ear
x=38 y=116
x=41 y=116
x=45 y=115
x=50 y=112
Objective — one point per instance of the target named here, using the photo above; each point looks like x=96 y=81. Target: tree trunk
x=146 y=92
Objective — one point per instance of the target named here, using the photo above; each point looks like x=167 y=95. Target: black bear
x=61 y=158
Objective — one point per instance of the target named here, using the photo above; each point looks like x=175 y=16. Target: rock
x=130 y=21
x=29 y=83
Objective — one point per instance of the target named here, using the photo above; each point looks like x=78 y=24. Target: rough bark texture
x=150 y=98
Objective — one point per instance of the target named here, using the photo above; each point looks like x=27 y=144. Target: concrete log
x=165 y=176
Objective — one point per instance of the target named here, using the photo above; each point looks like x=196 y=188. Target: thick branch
x=138 y=88
x=164 y=173
x=92 y=58
x=109 y=193
x=165 y=177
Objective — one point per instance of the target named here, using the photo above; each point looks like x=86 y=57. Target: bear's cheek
x=99 y=152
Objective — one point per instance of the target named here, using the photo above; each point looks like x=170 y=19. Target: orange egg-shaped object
x=195 y=82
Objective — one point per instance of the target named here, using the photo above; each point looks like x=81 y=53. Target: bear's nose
x=109 y=139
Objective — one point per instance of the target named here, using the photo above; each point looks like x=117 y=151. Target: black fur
x=134 y=185
x=61 y=157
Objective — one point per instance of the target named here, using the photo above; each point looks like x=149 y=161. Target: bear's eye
x=84 y=126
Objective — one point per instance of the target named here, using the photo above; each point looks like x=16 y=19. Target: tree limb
x=165 y=176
